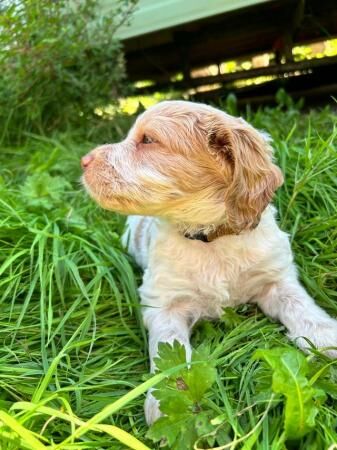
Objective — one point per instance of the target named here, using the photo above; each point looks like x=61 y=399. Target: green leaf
x=172 y=401
x=182 y=397
x=180 y=431
x=44 y=191
x=202 y=375
x=289 y=378
x=170 y=355
x=166 y=429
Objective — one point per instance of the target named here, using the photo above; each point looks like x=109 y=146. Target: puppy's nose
x=86 y=160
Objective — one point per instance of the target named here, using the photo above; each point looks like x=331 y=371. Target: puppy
x=198 y=183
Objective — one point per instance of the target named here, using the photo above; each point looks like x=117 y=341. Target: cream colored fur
x=202 y=169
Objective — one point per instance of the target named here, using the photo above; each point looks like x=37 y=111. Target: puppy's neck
x=209 y=233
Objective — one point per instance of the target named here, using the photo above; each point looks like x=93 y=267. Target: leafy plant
x=290 y=369
x=182 y=397
x=59 y=61
x=284 y=100
x=44 y=192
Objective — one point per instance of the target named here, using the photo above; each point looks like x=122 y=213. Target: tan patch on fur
x=255 y=178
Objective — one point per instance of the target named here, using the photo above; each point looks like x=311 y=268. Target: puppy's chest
x=219 y=275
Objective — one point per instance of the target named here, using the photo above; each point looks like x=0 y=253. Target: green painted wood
x=154 y=15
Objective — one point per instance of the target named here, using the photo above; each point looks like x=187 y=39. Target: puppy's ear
x=254 y=177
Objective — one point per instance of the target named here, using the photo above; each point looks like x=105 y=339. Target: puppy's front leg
x=164 y=325
x=288 y=302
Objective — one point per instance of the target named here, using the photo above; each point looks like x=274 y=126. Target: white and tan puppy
x=199 y=185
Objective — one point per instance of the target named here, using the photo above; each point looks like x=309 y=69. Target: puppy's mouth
x=102 y=187
x=109 y=190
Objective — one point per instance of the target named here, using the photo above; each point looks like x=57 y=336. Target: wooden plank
x=265 y=93
x=240 y=75
x=154 y=15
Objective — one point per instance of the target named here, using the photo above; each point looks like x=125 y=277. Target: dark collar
x=199 y=236
x=221 y=230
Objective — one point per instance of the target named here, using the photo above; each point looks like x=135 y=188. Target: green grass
x=73 y=359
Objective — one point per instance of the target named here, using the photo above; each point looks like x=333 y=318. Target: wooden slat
x=241 y=75
x=154 y=15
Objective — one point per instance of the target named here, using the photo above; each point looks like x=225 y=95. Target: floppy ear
x=254 y=177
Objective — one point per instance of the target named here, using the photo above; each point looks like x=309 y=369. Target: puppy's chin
x=112 y=201
x=97 y=194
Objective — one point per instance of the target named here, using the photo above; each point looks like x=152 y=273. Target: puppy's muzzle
x=96 y=157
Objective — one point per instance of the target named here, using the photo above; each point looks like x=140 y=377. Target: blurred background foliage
x=59 y=61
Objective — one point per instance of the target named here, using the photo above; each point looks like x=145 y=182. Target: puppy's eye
x=147 y=139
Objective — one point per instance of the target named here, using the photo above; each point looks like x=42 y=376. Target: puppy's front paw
x=323 y=335
x=151 y=409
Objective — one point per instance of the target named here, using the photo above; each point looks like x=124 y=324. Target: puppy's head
x=189 y=163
